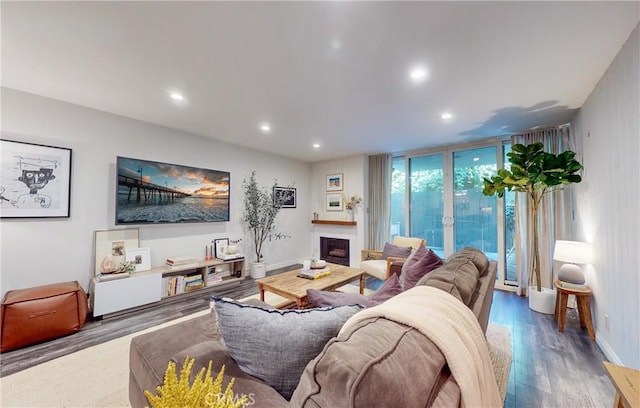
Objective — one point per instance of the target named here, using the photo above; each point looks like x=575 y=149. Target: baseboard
x=607 y=350
x=284 y=264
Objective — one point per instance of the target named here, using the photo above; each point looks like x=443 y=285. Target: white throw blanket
x=451 y=326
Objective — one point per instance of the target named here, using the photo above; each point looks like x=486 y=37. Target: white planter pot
x=542 y=302
x=258 y=270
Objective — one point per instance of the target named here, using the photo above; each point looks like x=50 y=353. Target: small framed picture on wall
x=334 y=202
x=285 y=196
x=335 y=182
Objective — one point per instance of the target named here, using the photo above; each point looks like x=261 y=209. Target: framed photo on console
x=218 y=247
x=140 y=257
x=112 y=245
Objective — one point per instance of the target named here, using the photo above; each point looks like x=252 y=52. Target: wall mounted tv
x=150 y=192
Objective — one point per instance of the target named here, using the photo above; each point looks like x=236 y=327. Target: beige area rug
x=99 y=376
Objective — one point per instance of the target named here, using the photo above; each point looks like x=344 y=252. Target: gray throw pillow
x=395 y=251
x=276 y=345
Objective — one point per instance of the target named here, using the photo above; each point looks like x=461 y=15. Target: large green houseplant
x=261 y=207
x=535 y=173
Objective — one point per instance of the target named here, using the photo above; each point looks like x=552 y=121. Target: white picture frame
x=335 y=182
x=335 y=202
x=114 y=243
x=141 y=258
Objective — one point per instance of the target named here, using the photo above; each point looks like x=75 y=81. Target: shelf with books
x=191 y=276
x=161 y=283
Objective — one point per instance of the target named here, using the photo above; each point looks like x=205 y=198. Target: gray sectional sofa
x=378 y=356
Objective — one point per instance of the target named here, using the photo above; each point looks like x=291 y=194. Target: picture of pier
x=155 y=192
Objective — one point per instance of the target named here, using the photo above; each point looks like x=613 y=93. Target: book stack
x=314 y=273
x=182 y=262
x=192 y=282
x=213 y=275
x=103 y=277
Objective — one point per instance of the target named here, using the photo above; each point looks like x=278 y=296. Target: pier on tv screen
x=150 y=192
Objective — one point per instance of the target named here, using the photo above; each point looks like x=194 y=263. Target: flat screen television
x=150 y=192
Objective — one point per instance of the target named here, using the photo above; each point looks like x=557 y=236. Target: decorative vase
x=542 y=302
x=258 y=270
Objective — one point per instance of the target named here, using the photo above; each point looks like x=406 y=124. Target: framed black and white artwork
x=286 y=196
x=35 y=180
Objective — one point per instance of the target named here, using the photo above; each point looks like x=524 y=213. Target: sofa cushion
x=474 y=255
x=324 y=298
x=458 y=277
x=275 y=345
x=368 y=366
x=395 y=251
x=422 y=263
x=375 y=267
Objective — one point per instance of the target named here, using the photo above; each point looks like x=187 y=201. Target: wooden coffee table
x=290 y=286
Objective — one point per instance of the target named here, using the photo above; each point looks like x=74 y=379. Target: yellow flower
x=205 y=392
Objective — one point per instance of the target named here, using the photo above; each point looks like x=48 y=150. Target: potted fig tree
x=261 y=207
x=534 y=173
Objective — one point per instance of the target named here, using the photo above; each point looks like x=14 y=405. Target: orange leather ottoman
x=42 y=313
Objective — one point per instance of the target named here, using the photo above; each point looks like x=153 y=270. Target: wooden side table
x=584 y=307
x=627 y=383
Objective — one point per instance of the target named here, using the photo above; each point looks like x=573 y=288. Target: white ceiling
x=334 y=73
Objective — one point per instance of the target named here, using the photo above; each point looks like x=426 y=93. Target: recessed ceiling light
x=446 y=115
x=316 y=145
x=418 y=74
x=265 y=127
x=177 y=96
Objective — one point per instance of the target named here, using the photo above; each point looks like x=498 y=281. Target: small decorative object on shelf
x=353 y=202
x=227 y=250
x=126 y=267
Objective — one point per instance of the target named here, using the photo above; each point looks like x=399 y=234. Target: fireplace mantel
x=334 y=222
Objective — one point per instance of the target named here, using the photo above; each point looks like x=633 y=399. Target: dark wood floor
x=549 y=369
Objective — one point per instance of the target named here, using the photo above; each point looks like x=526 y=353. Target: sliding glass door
x=426 y=200
x=475 y=221
x=446 y=206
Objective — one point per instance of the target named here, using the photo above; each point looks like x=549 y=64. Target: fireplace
x=334 y=250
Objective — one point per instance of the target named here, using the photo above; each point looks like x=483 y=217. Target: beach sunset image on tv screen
x=150 y=192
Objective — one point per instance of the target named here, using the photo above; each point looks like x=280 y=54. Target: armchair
x=373 y=264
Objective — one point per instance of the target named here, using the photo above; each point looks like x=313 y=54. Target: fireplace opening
x=335 y=250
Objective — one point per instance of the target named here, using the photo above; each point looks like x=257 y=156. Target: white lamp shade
x=572 y=251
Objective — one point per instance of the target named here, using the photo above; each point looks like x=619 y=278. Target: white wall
x=41 y=251
x=354 y=170
x=607 y=202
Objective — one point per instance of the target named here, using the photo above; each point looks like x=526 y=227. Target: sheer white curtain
x=555 y=215
x=379 y=200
